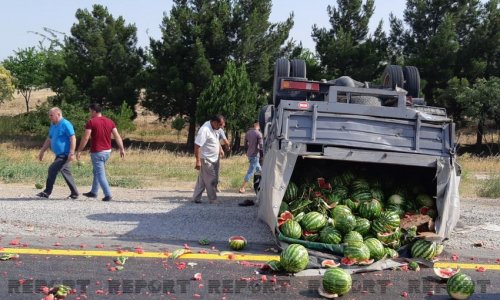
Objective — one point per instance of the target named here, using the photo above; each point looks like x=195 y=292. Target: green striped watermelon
x=330 y=235
x=345 y=223
x=294 y=258
x=377 y=193
x=370 y=209
x=353 y=237
x=283 y=207
x=460 y=286
x=359 y=185
x=391 y=253
x=291 y=192
x=337 y=281
x=352 y=204
x=425 y=200
x=424 y=249
x=313 y=221
x=389 y=237
x=362 y=226
x=237 y=242
x=387 y=221
x=376 y=248
x=291 y=229
x=340 y=210
x=357 y=252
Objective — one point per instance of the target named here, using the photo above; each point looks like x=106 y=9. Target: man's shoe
x=73 y=196
x=247 y=202
x=90 y=195
x=107 y=198
x=43 y=195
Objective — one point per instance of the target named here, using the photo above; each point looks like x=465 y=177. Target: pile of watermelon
x=361 y=213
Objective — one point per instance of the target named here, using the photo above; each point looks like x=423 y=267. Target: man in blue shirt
x=62 y=142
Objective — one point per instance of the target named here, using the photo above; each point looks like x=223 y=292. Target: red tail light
x=299 y=85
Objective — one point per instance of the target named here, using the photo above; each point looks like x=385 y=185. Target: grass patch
x=140 y=169
x=490 y=188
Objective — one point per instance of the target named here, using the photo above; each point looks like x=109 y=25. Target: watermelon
x=332 y=199
x=460 y=286
x=274 y=265
x=291 y=229
x=345 y=223
x=395 y=208
x=391 y=253
x=340 y=210
x=330 y=235
x=291 y=192
x=294 y=258
x=387 y=221
x=362 y=226
x=299 y=205
x=425 y=200
x=286 y=215
x=329 y=263
x=445 y=273
x=377 y=193
x=337 y=281
x=311 y=236
x=389 y=237
x=424 y=249
x=237 y=242
x=353 y=237
x=283 y=207
x=352 y=204
x=313 y=221
x=359 y=186
x=358 y=252
x=376 y=248
x=370 y=209
x=341 y=191
x=395 y=199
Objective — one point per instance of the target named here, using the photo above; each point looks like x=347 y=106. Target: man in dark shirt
x=253 y=143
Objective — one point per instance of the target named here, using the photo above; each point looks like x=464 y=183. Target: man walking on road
x=62 y=142
x=100 y=129
x=253 y=143
x=207 y=150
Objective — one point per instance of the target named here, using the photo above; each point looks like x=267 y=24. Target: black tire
x=366 y=100
x=281 y=69
x=266 y=114
x=412 y=81
x=392 y=77
x=298 y=68
x=256 y=182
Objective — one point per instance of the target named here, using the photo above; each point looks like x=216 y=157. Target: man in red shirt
x=100 y=129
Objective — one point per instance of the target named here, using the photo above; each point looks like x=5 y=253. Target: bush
x=490 y=188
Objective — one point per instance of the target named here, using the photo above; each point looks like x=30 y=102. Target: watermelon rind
x=237 y=242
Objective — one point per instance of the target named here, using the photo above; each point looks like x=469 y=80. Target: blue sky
x=20 y=18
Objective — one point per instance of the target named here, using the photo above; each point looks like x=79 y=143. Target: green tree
x=235 y=97
x=198 y=40
x=346 y=48
x=448 y=98
x=482 y=102
x=100 y=61
x=27 y=67
x=7 y=88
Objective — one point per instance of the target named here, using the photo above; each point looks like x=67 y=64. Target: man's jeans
x=253 y=167
x=98 y=163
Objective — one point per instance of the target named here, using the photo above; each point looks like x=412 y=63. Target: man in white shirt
x=207 y=150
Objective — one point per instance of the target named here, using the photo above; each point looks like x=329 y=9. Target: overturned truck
x=344 y=143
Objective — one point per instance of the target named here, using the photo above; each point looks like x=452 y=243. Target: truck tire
x=392 y=77
x=266 y=114
x=298 y=68
x=366 y=100
x=412 y=80
x=281 y=69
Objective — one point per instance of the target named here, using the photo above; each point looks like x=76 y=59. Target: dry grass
x=18 y=104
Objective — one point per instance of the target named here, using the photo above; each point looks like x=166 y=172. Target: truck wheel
x=412 y=80
x=266 y=114
x=393 y=76
x=256 y=183
x=281 y=69
x=366 y=100
x=298 y=68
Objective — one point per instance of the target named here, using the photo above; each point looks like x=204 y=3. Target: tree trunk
x=237 y=142
x=480 y=132
x=191 y=134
